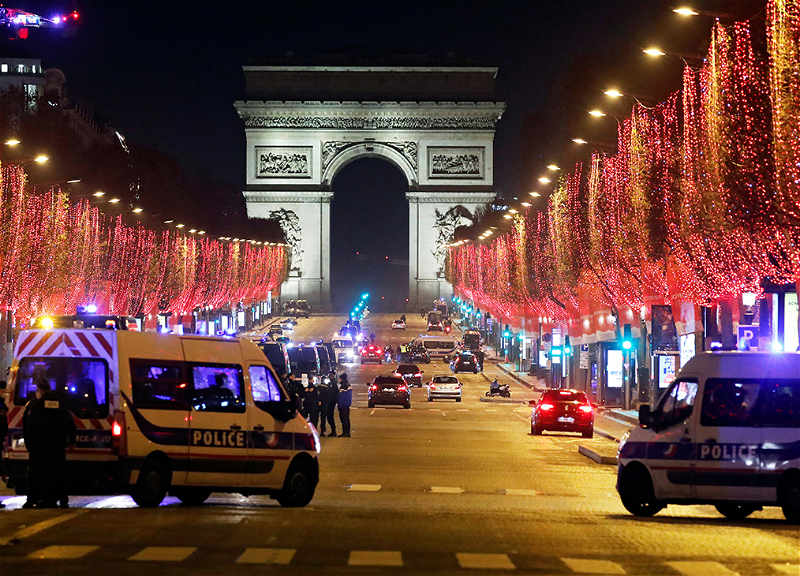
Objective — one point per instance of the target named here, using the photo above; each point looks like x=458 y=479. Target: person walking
x=51 y=428
x=329 y=407
x=311 y=404
x=345 y=400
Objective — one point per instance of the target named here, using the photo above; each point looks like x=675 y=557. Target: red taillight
x=398 y=374
x=418 y=375
x=374 y=387
x=458 y=385
x=118 y=439
x=432 y=386
x=586 y=408
x=545 y=407
x=402 y=388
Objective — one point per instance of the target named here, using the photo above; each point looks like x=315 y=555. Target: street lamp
x=685 y=11
x=654 y=52
x=553 y=167
x=597 y=113
x=545 y=180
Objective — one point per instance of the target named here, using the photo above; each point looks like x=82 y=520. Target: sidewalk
x=609 y=423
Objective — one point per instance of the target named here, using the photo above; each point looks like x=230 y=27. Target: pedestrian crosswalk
x=469 y=561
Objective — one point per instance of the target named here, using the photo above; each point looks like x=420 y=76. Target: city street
x=442 y=488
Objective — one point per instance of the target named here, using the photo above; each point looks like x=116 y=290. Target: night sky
x=166 y=74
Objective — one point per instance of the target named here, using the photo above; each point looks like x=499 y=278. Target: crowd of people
x=318 y=403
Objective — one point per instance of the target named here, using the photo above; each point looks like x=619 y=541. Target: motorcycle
x=495 y=389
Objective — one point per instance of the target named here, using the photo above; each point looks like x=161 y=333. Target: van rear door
x=218 y=421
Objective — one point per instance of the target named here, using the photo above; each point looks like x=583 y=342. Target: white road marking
x=372 y=412
x=793 y=569
x=40 y=526
x=692 y=568
x=364 y=488
x=266 y=556
x=164 y=553
x=485 y=561
x=584 y=566
x=446 y=490
x=375 y=558
x=462 y=409
x=434 y=409
x=521 y=492
x=113 y=502
x=62 y=552
x=490 y=409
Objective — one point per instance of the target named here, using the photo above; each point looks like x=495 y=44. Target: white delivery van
x=438 y=347
x=726 y=432
x=344 y=348
x=162 y=413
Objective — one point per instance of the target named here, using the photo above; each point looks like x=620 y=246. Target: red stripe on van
x=76 y=351
x=24 y=344
x=82 y=337
x=39 y=344
x=96 y=424
x=101 y=338
x=58 y=342
x=79 y=423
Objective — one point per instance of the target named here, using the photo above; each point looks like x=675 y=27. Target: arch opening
x=369 y=232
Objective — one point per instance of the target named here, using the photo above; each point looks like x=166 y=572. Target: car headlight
x=622 y=442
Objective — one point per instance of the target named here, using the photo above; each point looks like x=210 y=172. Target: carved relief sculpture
x=456 y=162
x=283 y=162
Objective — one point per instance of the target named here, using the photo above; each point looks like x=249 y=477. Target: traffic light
x=627 y=339
x=507 y=331
x=567 y=347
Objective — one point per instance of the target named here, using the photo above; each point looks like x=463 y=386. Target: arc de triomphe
x=303 y=124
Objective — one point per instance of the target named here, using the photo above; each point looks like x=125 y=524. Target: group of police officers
x=318 y=402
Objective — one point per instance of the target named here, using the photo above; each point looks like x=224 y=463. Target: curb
x=597 y=457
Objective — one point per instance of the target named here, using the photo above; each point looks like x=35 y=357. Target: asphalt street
x=442 y=488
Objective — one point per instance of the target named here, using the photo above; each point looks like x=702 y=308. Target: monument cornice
x=288 y=196
x=370 y=115
x=416 y=197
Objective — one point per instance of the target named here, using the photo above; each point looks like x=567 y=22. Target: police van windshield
x=303 y=359
x=83 y=383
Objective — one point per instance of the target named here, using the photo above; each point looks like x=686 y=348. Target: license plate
x=389 y=389
x=566 y=419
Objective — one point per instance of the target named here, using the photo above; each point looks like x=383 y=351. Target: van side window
x=82 y=382
x=159 y=385
x=729 y=402
x=678 y=403
x=780 y=403
x=218 y=388
x=265 y=386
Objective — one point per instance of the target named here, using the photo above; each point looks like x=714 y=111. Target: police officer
x=296 y=392
x=345 y=400
x=329 y=399
x=312 y=404
x=51 y=428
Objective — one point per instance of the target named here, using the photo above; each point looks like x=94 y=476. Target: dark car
x=277 y=356
x=419 y=354
x=372 y=353
x=410 y=373
x=464 y=362
x=276 y=328
x=563 y=410
x=389 y=389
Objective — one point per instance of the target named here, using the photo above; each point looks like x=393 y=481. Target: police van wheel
x=298 y=488
x=152 y=486
x=791 y=506
x=735 y=511
x=192 y=496
x=637 y=494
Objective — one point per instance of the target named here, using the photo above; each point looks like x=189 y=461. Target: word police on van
x=162 y=413
x=726 y=432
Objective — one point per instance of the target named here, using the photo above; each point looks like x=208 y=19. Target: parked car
x=275 y=329
x=444 y=386
x=372 y=353
x=464 y=362
x=410 y=373
x=564 y=410
x=398 y=325
x=389 y=389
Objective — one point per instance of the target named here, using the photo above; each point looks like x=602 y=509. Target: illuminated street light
x=99 y=194
x=113 y=200
x=553 y=167
x=526 y=204
x=613 y=93
x=685 y=11
x=535 y=194
x=579 y=141
x=513 y=211
x=597 y=113
x=12 y=142
x=168 y=221
x=654 y=52
x=41 y=158
x=137 y=210
x=179 y=225
x=507 y=216
x=544 y=180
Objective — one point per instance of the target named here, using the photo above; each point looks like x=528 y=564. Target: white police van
x=726 y=432
x=162 y=413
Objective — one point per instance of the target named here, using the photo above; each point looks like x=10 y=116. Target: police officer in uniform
x=51 y=428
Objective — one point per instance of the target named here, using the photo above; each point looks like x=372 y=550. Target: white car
x=444 y=386
x=398 y=325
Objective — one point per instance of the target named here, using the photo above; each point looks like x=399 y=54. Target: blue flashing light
x=91 y=308
x=776 y=347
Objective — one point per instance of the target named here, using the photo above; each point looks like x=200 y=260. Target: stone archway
x=296 y=145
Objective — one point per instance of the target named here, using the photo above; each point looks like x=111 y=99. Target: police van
x=438 y=347
x=726 y=432
x=161 y=413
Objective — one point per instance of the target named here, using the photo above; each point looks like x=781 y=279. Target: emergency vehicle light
x=47 y=323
